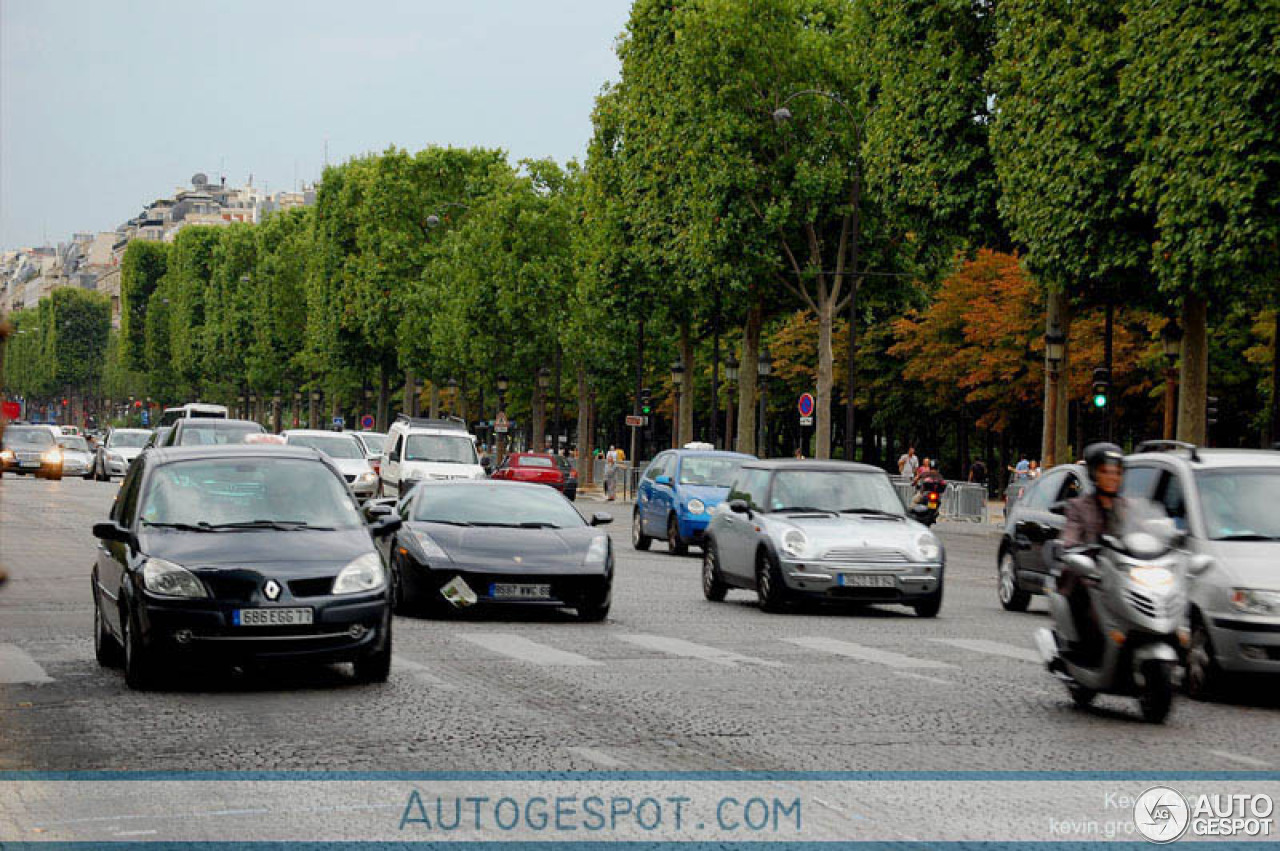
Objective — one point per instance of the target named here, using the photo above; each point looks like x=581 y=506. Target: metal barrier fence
x=626 y=477
x=960 y=500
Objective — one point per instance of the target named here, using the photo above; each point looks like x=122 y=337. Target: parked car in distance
x=498 y=543
x=238 y=554
x=30 y=450
x=77 y=458
x=822 y=530
x=118 y=451
x=539 y=468
x=346 y=453
x=427 y=450
x=1226 y=502
x=201 y=431
x=677 y=494
x=1036 y=517
x=158 y=434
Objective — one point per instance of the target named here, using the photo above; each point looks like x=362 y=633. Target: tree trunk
x=826 y=379
x=688 y=391
x=410 y=405
x=384 y=399
x=433 y=403
x=747 y=380
x=584 y=406
x=1194 y=382
x=538 y=411
x=460 y=395
x=1053 y=442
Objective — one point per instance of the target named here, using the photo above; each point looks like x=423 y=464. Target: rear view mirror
x=739 y=506
x=601 y=518
x=1198 y=564
x=377 y=510
x=386 y=525
x=111 y=531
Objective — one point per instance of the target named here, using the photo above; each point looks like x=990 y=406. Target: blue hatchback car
x=677 y=493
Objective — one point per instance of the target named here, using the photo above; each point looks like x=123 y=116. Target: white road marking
x=17 y=667
x=136 y=832
x=420 y=672
x=864 y=653
x=993 y=648
x=525 y=650
x=924 y=677
x=599 y=757
x=1246 y=760
x=690 y=650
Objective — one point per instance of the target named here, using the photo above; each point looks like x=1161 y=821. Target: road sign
x=501 y=424
x=366 y=422
x=806 y=421
x=146 y=417
x=805 y=405
x=637 y=420
x=339 y=422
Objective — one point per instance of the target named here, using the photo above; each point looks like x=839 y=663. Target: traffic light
x=1101 y=387
x=1211 y=410
x=646 y=401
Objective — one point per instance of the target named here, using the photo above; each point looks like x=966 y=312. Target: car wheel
x=675 y=544
x=770 y=590
x=399 y=605
x=639 y=539
x=595 y=607
x=929 y=606
x=1204 y=677
x=1156 y=698
x=105 y=647
x=375 y=667
x=139 y=666
x=1013 y=598
x=713 y=587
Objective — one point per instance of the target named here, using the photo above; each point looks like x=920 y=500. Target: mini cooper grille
x=866 y=555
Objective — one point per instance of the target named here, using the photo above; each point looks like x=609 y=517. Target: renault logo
x=271 y=589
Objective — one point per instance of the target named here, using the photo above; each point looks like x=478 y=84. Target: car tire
x=399 y=604
x=375 y=667
x=770 y=589
x=713 y=586
x=139 y=664
x=639 y=539
x=929 y=606
x=1012 y=598
x=675 y=544
x=1204 y=676
x=595 y=608
x=105 y=647
x=1156 y=698
x=1081 y=696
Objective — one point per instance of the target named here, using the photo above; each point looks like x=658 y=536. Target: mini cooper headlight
x=1256 y=602
x=166 y=579
x=362 y=574
x=794 y=542
x=928 y=547
x=696 y=506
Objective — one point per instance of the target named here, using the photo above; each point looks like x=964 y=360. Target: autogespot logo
x=1161 y=814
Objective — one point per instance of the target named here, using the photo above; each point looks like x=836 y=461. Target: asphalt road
x=669 y=682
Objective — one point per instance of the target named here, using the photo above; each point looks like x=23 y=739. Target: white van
x=419 y=448
x=193 y=409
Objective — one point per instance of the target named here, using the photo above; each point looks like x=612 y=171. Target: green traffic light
x=1100 y=400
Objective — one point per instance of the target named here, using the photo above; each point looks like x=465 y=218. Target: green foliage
x=143 y=266
x=77 y=323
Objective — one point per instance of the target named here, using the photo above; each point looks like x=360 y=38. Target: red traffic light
x=64 y=403
x=137 y=404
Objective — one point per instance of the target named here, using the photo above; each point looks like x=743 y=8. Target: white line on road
x=690 y=650
x=993 y=648
x=865 y=654
x=136 y=832
x=17 y=667
x=420 y=672
x=599 y=757
x=525 y=650
x=1246 y=760
x=924 y=677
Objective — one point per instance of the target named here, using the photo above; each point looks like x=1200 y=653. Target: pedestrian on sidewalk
x=908 y=464
x=610 y=472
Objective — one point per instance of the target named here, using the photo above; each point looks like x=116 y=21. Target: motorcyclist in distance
x=1089 y=517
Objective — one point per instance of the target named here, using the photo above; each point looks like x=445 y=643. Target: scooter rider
x=1089 y=517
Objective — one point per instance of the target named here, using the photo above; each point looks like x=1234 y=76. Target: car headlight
x=1256 y=602
x=928 y=547
x=115 y=457
x=429 y=547
x=794 y=542
x=166 y=579
x=362 y=574
x=598 y=552
x=53 y=456
x=366 y=478
x=7 y=454
x=696 y=506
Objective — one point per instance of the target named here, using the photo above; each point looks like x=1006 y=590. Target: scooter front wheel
x=1083 y=697
x=1156 y=698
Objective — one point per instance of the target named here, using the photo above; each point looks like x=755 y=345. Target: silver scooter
x=1136 y=583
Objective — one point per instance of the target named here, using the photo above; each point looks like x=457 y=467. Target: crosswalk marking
x=924 y=677
x=993 y=648
x=690 y=650
x=420 y=672
x=525 y=650
x=17 y=667
x=1246 y=760
x=863 y=653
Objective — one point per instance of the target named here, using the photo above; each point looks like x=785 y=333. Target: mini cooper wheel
x=770 y=590
x=1012 y=598
x=713 y=587
x=639 y=539
x=929 y=606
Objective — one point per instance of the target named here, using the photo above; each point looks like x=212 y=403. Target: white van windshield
x=440 y=449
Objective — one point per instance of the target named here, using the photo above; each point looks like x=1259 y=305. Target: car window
x=128 y=439
x=1139 y=482
x=1072 y=487
x=833 y=490
x=709 y=470
x=27 y=438
x=394 y=454
x=1240 y=504
x=1170 y=494
x=76 y=444
x=373 y=443
x=488 y=505
x=756 y=488
x=440 y=449
x=127 y=498
x=655 y=468
x=333 y=445
x=1041 y=494
x=535 y=461
x=211 y=432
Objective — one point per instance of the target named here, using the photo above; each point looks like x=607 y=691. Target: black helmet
x=1098 y=454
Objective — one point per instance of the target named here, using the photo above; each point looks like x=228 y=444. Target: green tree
x=141 y=270
x=187 y=285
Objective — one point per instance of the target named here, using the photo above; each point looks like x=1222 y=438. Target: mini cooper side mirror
x=601 y=518
x=739 y=506
x=111 y=531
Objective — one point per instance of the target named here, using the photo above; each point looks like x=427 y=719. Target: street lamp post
x=677 y=383
x=452 y=384
x=731 y=375
x=544 y=379
x=312 y=416
x=275 y=411
x=1055 y=351
x=1171 y=343
x=502 y=415
x=764 y=369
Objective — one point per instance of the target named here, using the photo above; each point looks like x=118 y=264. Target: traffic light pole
x=1109 y=410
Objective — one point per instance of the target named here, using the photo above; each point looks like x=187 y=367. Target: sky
x=106 y=106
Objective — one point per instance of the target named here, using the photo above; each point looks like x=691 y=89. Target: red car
x=540 y=468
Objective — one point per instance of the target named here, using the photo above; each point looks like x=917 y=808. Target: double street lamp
x=764 y=369
x=503 y=384
x=677 y=383
x=1171 y=344
x=731 y=374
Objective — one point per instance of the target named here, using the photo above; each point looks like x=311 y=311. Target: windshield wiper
x=537 y=524
x=1248 y=536
x=181 y=527
x=446 y=522
x=875 y=512
x=283 y=525
x=803 y=509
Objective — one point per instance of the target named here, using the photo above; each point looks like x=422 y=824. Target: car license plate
x=866 y=580
x=272 y=617
x=511 y=591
